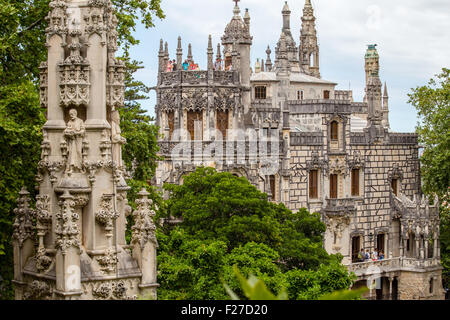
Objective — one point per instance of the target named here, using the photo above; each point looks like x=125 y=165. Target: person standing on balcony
x=185 y=65
x=367 y=254
x=169 y=66
x=175 y=66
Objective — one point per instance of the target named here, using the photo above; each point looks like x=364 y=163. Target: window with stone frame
x=326 y=94
x=380 y=243
x=171 y=122
x=314 y=184
x=334 y=130
x=394 y=186
x=300 y=95
x=222 y=122
x=260 y=92
x=272 y=186
x=431 y=285
x=333 y=186
x=355 y=182
x=228 y=62
x=356 y=248
x=195 y=118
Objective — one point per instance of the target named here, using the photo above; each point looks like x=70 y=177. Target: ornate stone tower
x=309 y=48
x=76 y=249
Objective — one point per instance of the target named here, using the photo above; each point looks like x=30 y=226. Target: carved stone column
x=145 y=244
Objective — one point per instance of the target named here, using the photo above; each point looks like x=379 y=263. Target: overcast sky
x=413 y=38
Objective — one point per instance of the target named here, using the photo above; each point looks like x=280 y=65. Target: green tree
x=432 y=102
x=229 y=221
x=22 y=48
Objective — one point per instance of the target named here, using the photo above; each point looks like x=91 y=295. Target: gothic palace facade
x=332 y=155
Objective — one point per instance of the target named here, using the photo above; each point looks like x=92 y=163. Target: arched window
x=334 y=130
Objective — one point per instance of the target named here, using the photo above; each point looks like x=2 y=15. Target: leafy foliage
x=22 y=48
x=433 y=105
x=432 y=102
x=229 y=221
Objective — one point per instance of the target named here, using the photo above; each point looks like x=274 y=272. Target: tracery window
x=326 y=95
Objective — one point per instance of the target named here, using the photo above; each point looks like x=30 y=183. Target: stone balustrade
x=198 y=77
x=379 y=267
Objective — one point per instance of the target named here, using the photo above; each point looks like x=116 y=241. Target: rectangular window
x=300 y=95
x=222 y=123
x=171 y=121
x=394 y=185
x=272 y=186
x=313 y=184
x=355 y=182
x=356 y=243
x=195 y=124
x=260 y=92
x=326 y=95
x=334 y=128
x=333 y=186
x=380 y=243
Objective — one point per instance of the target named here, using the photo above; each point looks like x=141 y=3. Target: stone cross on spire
x=236 y=1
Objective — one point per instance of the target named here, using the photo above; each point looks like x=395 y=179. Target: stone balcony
x=364 y=270
x=340 y=207
x=198 y=77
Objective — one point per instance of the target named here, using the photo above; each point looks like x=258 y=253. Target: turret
x=210 y=53
x=386 y=107
x=289 y=42
x=179 y=54
x=190 y=58
x=268 y=60
x=309 y=48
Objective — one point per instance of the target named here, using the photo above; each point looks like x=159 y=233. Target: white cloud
x=413 y=39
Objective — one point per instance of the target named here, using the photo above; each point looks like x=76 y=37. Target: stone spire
x=219 y=54
x=291 y=46
x=190 y=58
x=372 y=64
x=262 y=66
x=81 y=209
x=268 y=60
x=161 y=59
x=237 y=30
x=247 y=19
x=309 y=48
x=179 y=54
x=166 y=55
x=386 y=107
x=210 y=53
x=257 y=66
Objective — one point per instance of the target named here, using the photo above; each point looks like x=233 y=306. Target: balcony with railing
x=196 y=77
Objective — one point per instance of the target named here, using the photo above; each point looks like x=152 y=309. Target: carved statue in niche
x=117 y=138
x=74 y=135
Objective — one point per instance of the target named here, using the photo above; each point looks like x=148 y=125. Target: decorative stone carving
x=52 y=167
x=168 y=100
x=115 y=89
x=43 y=261
x=194 y=99
x=224 y=99
x=67 y=224
x=74 y=134
x=45 y=146
x=338 y=166
x=38 y=290
x=105 y=146
x=117 y=140
x=57 y=20
x=144 y=228
x=356 y=162
x=92 y=167
x=43 y=215
x=337 y=225
x=108 y=261
x=43 y=77
x=111 y=290
x=74 y=75
x=23 y=222
x=94 y=21
x=106 y=215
